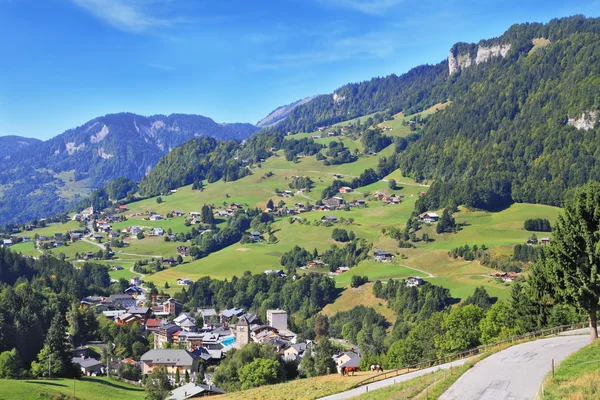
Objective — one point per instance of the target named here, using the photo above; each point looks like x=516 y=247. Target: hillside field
x=86 y=388
x=499 y=231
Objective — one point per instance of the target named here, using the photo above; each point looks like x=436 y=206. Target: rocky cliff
x=460 y=60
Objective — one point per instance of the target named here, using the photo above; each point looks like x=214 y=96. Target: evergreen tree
x=158 y=386
x=572 y=263
x=207 y=216
x=324 y=363
x=307 y=364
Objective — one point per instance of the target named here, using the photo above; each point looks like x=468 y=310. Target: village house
x=429 y=217
x=183 y=251
x=164 y=334
x=277 y=272
x=545 y=240
x=414 y=281
x=350 y=358
x=329 y=218
x=155 y=217
x=334 y=202
x=227 y=315
x=382 y=256
x=177 y=213
x=208 y=315
x=123 y=300
x=194 y=390
x=88 y=366
x=341 y=270
x=359 y=202
x=172 y=359
x=345 y=189
x=168 y=262
x=7 y=243
x=122 y=208
x=255 y=236
x=157 y=232
x=184 y=281
x=315 y=263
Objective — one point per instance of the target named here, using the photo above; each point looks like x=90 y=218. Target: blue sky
x=65 y=62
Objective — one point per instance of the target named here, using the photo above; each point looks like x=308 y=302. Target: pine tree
x=572 y=263
x=177 y=376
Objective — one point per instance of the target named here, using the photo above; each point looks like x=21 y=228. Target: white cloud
x=129 y=15
x=336 y=48
x=373 y=7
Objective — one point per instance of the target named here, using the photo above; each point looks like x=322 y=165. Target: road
x=515 y=373
x=391 y=381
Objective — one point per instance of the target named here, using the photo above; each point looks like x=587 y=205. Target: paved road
x=515 y=373
x=390 y=381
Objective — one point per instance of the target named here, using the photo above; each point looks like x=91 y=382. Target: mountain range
x=39 y=178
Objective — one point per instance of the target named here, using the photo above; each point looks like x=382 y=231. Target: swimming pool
x=229 y=340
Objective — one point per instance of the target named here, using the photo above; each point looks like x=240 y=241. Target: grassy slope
x=499 y=230
x=86 y=388
x=577 y=376
x=363 y=295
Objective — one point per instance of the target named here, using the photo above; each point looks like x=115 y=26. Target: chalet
x=382 y=256
x=184 y=281
x=334 y=202
x=7 y=243
x=43 y=238
x=341 y=270
x=97 y=237
x=414 y=281
x=89 y=255
x=395 y=200
x=346 y=189
x=185 y=322
x=58 y=236
x=134 y=230
x=168 y=262
x=88 y=366
x=157 y=232
x=429 y=217
x=350 y=358
x=123 y=300
x=315 y=263
x=129 y=319
x=178 y=213
x=295 y=352
x=194 y=390
x=155 y=217
x=76 y=217
x=183 y=251
x=329 y=218
x=221 y=213
x=117 y=268
x=359 y=202
x=59 y=243
x=114 y=235
x=545 y=240
x=235 y=206
x=26 y=239
x=195 y=214
x=315 y=137
x=143 y=312
x=173 y=359
x=122 y=207
x=104 y=227
x=331 y=134
x=29 y=227
x=277 y=272
x=255 y=236
x=227 y=315
x=338 y=176
x=208 y=315
x=75 y=237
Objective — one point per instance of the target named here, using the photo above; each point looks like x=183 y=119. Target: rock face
x=586 y=122
x=281 y=113
x=484 y=54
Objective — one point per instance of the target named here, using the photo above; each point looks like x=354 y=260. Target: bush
x=538 y=225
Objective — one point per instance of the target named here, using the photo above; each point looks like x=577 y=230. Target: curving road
x=391 y=381
x=515 y=373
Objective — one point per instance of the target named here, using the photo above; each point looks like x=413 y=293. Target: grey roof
x=207 y=312
x=354 y=360
x=137 y=310
x=121 y=297
x=86 y=362
x=180 y=358
x=231 y=312
x=193 y=390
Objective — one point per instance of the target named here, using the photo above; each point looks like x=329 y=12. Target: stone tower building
x=242 y=333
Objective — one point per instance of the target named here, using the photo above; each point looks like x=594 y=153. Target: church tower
x=242 y=333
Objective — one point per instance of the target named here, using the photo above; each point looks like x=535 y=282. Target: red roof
x=122 y=207
x=152 y=322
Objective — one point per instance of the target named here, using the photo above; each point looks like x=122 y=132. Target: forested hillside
x=11 y=144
